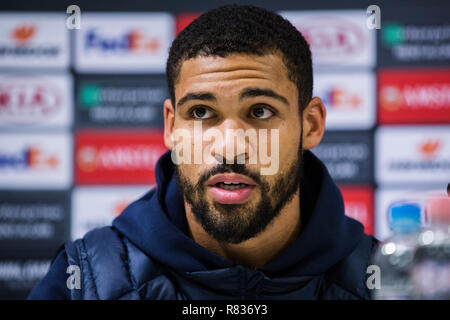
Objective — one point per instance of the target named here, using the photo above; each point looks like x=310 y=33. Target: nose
x=235 y=143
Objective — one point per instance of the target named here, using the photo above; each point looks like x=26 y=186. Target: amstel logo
x=87 y=158
x=391 y=98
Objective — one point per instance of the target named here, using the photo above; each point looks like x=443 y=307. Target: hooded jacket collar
x=157 y=225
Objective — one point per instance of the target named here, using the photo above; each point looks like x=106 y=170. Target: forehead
x=233 y=72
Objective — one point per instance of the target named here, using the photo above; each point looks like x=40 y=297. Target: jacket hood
x=156 y=224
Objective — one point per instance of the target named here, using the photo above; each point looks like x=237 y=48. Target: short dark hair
x=243 y=29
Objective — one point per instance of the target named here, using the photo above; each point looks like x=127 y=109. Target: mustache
x=228 y=168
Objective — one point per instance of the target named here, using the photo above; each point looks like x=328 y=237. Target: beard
x=235 y=223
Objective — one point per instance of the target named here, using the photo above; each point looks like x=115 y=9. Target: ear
x=313 y=123
x=169 y=121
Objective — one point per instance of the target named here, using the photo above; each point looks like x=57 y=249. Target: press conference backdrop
x=81 y=112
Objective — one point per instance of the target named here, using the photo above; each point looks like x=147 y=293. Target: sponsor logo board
x=358 y=202
x=33 y=40
x=336 y=38
x=348 y=156
x=349 y=98
x=32 y=220
x=412 y=43
x=35 y=101
x=117 y=157
x=35 y=161
x=120 y=101
x=19 y=274
x=413 y=154
x=414 y=96
x=116 y=42
x=386 y=197
x=94 y=207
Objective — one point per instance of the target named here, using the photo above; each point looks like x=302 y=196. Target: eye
x=201 y=113
x=261 y=113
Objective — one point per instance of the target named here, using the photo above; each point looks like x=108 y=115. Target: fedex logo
x=35 y=160
x=132 y=41
x=32 y=158
x=337 y=97
x=349 y=97
x=123 y=42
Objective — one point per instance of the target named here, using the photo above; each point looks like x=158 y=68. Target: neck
x=257 y=251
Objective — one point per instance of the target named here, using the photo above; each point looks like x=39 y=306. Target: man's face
x=235 y=202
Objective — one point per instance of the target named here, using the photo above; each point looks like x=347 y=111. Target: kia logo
x=23 y=102
x=332 y=38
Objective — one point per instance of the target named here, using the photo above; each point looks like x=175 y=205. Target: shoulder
x=68 y=261
x=111 y=266
x=108 y=266
x=347 y=279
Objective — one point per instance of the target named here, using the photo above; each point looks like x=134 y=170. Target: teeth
x=231 y=182
x=231 y=186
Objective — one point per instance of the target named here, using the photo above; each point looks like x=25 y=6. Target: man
x=229 y=224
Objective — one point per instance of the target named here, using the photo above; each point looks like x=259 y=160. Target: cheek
x=192 y=172
x=289 y=150
x=188 y=172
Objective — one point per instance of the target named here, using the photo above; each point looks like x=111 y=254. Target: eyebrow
x=205 y=96
x=246 y=93
x=257 y=92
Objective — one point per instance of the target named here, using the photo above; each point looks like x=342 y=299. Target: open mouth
x=231 y=185
x=230 y=188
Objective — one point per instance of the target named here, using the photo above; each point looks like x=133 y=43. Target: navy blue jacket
x=147 y=253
